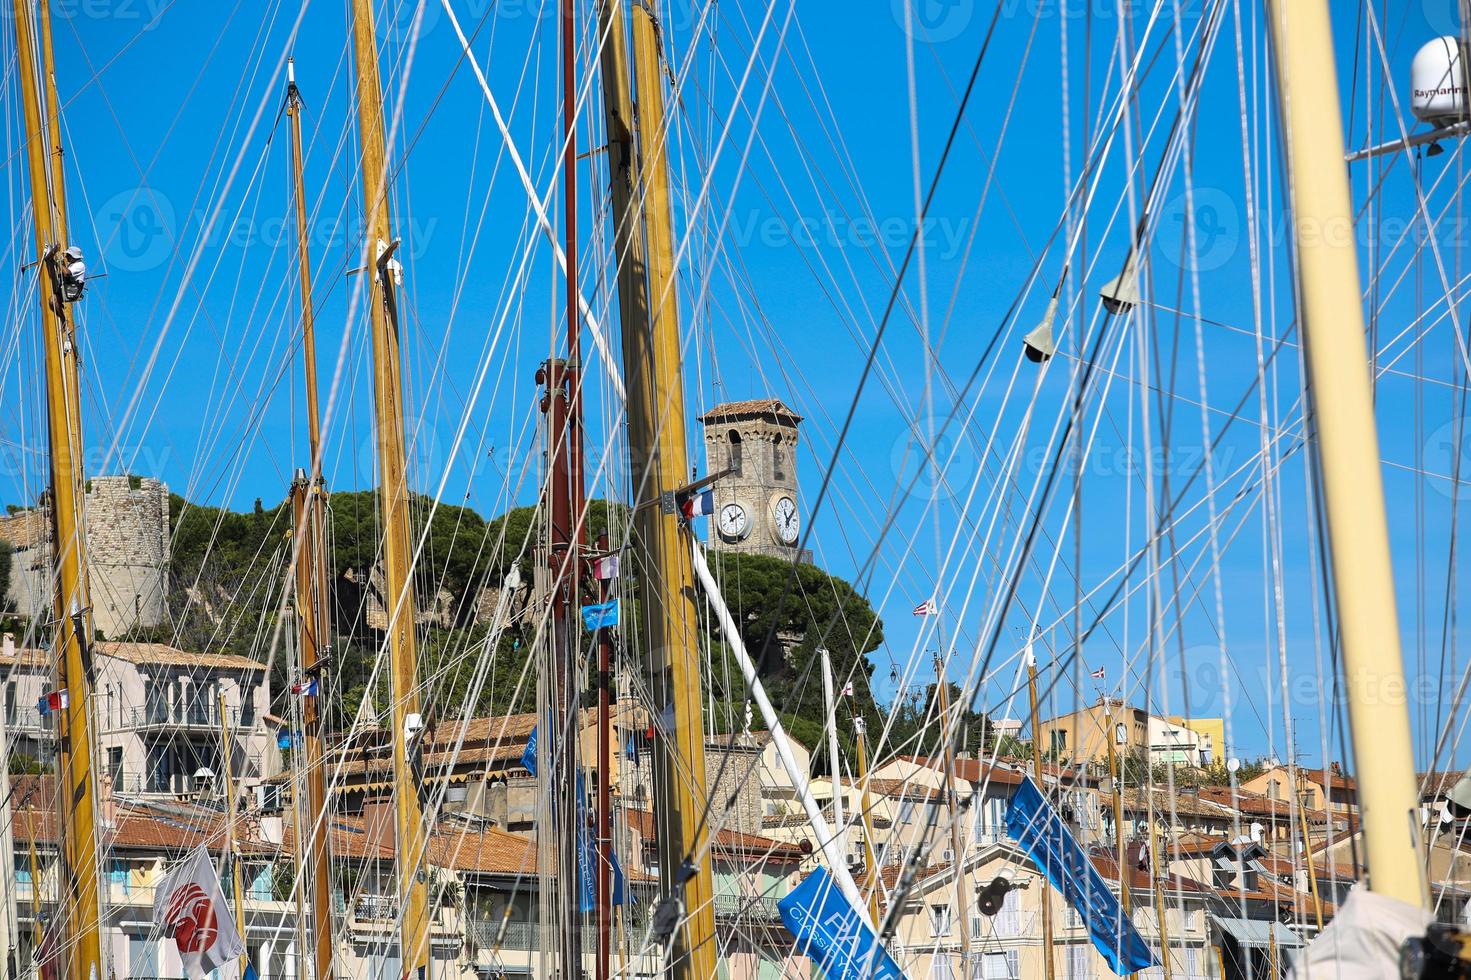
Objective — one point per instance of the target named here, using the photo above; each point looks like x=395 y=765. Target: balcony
x=181 y=717
x=758 y=908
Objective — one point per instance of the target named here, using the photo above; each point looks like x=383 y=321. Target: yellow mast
x=1120 y=848
x=870 y=857
x=659 y=462
x=232 y=847
x=1046 y=897
x=73 y=613
x=1157 y=879
x=393 y=497
x=947 y=746
x=1348 y=445
x=308 y=497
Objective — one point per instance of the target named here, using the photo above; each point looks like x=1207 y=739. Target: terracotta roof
x=903 y=789
x=889 y=875
x=1108 y=866
x=1435 y=785
x=1179 y=804
x=1255 y=804
x=754 y=406
x=1329 y=778
x=160 y=653
x=733 y=842
x=1194 y=844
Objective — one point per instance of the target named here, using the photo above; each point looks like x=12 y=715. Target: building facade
x=157 y=713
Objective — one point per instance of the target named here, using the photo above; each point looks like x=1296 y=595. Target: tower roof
x=754 y=407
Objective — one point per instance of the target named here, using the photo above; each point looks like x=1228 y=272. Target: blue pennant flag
x=600 y=615
x=586 y=849
x=831 y=931
x=528 y=758
x=1041 y=832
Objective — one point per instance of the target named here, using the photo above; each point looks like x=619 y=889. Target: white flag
x=190 y=907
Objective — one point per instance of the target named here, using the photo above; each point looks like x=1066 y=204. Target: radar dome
x=1437 y=82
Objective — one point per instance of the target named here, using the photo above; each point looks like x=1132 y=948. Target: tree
x=786 y=614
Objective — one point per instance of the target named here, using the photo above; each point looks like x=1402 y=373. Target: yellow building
x=1080 y=736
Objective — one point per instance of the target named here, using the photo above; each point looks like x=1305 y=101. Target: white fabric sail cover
x=1363 y=941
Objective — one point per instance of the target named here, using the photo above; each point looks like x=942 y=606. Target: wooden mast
x=1347 y=445
x=1046 y=897
x=79 y=920
x=659 y=461
x=566 y=514
x=870 y=856
x=1120 y=847
x=308 y=497
x=952 y=800
x=1157 y=880
x=384 y=274
x=232 y=844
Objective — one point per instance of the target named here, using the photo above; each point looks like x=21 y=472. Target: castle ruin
x=127 y=547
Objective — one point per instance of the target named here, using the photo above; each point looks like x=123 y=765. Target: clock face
x=734 y=524
x=787 y=523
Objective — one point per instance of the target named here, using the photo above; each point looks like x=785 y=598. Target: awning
x=1257 y=934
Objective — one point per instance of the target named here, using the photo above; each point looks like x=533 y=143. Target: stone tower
x=756 y=507
x=127 y=550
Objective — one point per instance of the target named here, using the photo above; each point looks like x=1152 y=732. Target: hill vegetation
x=228 y=569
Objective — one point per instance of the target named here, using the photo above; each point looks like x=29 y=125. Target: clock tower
x=756 y=507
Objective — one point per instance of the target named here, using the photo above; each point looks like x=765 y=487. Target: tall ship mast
x=638 y=161
x=58 y=286
x=384 y=275
x=308 y=517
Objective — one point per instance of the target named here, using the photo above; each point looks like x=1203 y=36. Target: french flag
x=307 y=688
x=701 y=504
x=54 y=701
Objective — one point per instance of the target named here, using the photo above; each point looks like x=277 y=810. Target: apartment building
x=162 y=714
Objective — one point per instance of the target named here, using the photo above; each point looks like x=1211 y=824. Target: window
x=1002 y=966
x=115 y=765
x=733 y=461
x=1274 y=789
x=1058 y=741
x=778 y=461
x=906 y=811
x=940 y=920
x=1009 y=919
x=1080 y=962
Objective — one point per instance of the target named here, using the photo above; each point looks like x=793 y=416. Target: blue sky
x=178 y=191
